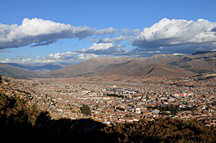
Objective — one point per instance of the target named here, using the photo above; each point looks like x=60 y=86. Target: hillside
x=15 y=72
x=134 y=67
x=169 y=66
x=89 y=67
x=37 y=66
x=17 y=118
x=199 y=62
x=163 y=66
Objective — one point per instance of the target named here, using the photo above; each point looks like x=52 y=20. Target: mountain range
x=161 y=66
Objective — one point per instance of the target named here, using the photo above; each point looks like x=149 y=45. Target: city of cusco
x=108 y=71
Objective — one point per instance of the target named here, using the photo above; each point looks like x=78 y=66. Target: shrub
x=85 y=109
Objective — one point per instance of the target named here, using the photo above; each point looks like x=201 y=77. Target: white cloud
x=100 y=46
x=109 y=30
x=166 y=36
x=178 y=34
x=70 y=56
x=64 y=57
x=104 y=49
x=42 y=32
x=111 y=40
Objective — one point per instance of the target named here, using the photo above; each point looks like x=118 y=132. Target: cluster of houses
x=121 y=92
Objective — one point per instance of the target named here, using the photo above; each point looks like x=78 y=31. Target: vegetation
x=173 y=109
x=164 y=130
x=116 y=95
x=85 y=109
x=17 y=119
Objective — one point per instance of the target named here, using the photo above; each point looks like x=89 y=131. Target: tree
x=1 y=80
x=85 y=109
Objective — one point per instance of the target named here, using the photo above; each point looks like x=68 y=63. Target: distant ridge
x=203 y=52
x=37 y=67
x=16 y=72
x=164 y=66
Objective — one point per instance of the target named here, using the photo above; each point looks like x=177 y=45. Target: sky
x=69 y=30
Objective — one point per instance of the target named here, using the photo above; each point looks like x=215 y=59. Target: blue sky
x=97 y=14
x=101 y=13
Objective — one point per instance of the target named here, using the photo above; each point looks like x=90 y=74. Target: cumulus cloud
x=16 y=60
x=177 y=35
x=166 y=36
x=69 y=57
x=64 y=57
x=111 y=40
x=100 y=46
x=39 y=32
x=214 y=29
x=104 y=49
x=109 y=30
